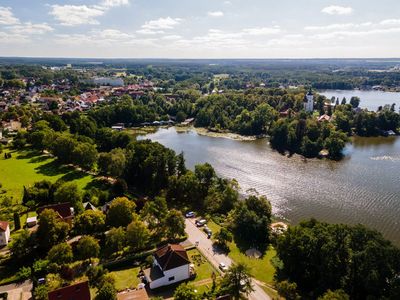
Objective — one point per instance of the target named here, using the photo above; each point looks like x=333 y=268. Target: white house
x=4 y=233
x=309 y=102
x=171 y=264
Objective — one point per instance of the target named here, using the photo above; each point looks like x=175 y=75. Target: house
x=324 y=118
x=89 y=206
x=4 y=233
x=64 y=210
x=78 y=291
x=171 y=265
x=31 y=221
x=140 y=294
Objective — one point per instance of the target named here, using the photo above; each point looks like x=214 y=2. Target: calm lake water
x=369 y=99
x=362 y=188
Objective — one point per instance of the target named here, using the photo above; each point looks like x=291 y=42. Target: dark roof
x=79 y=291
x=153 y=273
x=133 y=295
x=63 y=209
x=3 y=225
x=171 y=256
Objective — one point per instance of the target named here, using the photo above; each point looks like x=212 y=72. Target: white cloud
x=257 y=31
x=158 y=26
x=162 y=23
x=29 y=28
x=227 y=2
x=342 y=26
x=171 y=37
x=72 y=15
x=215 y=14
x=337 y=10
x=115 y=3
x=11 y=38
x=7 y=17
x=390 y=22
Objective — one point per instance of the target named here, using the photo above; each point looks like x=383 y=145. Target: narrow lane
x=206 y=247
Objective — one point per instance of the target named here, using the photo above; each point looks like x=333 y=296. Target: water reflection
x=364 y=187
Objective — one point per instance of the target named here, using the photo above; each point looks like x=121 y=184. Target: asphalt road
x=205 y=245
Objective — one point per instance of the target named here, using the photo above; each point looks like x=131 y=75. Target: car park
x=201 y=223
x=222 y=267
x=190 y=214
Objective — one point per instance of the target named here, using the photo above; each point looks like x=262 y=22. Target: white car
x=222 y=267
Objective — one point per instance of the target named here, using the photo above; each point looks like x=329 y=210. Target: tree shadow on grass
x=100 y=184
x=53 y=168
x=74 y=175
x=244 y=245
x=26 y=154
x=39 y=159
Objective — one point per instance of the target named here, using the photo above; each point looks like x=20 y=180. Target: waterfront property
x=171 y=265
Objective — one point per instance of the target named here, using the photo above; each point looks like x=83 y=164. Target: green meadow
x=26 y=167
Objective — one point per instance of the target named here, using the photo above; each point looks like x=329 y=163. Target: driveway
x=205 y=245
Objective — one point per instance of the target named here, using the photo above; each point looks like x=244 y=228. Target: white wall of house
x=172 y=276
x=5 y=236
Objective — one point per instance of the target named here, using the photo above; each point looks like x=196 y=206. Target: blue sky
x=200 y=28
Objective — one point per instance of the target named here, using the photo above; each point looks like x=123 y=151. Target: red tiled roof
x=3 y=225
x=171 y=256
x=63 y=209
x=79 y=291
x=133 y=295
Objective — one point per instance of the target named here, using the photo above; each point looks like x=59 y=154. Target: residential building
x=64 y=211
x=78 y=291
x=4 y=233
x=171 y=265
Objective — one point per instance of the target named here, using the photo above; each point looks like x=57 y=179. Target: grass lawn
x=201 y=265
x=260 y=269
x=26 y=167
x=126 y=278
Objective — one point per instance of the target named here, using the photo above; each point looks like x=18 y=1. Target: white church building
x=309 y=101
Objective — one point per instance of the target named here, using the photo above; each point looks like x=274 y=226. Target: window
x=171 y=278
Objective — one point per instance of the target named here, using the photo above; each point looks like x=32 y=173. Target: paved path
x=196 y=234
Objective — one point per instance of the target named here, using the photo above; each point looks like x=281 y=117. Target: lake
x=369 y=99
x=364 y=187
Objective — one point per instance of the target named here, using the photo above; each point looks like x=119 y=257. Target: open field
x=26 y=167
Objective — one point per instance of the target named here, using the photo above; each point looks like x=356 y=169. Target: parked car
x=207 y=230
x=190 y=214
x=201 y=223
x=222 y=267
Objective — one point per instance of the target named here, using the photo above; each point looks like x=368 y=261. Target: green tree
x=237 y=281
x=87 y=247
x=90 y=222
x=112 y=163
x=335 y=295
x=106 y=292
x=115 y=239
x=84 y=155
x=51 y=230
x=69 y=192
x=288 y=290
x=120 y=212
x=186 y=292
x=21 y=246
x=174 y=224
x=355 y=102
x=224 y=236
x=17 y=221
x=60 y=254
x=137 y=235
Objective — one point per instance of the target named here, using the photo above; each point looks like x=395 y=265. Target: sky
x=200 y=28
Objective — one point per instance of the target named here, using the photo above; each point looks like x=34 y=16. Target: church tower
x=309 y=101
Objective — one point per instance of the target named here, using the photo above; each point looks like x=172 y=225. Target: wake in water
x=387 y=157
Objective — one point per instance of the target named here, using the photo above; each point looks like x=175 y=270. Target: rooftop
x=171 y=256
